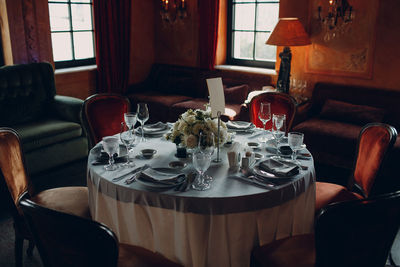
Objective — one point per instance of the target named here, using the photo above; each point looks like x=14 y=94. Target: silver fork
x=136 y=174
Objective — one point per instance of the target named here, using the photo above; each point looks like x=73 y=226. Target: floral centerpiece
x=190 y=124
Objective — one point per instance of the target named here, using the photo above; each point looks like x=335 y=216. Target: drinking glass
x=206 y=143
x=130 y=119
x=128 y=139
x=201 y=162
x=142 y=117
x=295 y=141
x=110 y=146
x=278 y=129
x=264 y=114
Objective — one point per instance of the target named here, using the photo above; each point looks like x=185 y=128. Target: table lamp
x=287 y=32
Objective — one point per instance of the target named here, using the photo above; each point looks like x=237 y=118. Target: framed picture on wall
x=347 y=47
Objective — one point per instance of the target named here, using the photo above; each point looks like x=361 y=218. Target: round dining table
x=216 y=227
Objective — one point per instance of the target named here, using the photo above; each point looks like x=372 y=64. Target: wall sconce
x=171 y=10
x=338 y=18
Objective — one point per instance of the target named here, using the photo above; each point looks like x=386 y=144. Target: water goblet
x=201 y=162
x=142 y=117
x=127 y=138
x=295 y=140
x=110 y=146
x=264 y=114
x=278 y=130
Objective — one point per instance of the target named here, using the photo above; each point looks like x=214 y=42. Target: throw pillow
x=236 y=94
x=351 y=113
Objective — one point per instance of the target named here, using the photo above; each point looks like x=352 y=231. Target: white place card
x=217 y=96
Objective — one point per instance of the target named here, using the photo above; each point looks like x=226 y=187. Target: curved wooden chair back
x=102 y=115
x=280 y=103
x=374 y=141
x=68 y=240
x=357 y=233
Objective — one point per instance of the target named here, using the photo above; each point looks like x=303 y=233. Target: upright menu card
x=217 y=97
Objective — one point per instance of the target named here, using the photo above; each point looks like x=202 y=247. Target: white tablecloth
x=218 y=227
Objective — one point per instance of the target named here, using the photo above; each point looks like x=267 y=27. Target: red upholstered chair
x=280 y=103
x=67 y=240
x=374 y=141
x=352 y=233
x=102 y=115
x=68 y=199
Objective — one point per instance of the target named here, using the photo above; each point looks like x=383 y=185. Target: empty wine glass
x=206 y=143
x=264 y=114
x=142 y=117
x=295 y=140
x=201 y=162
x=127 y=138
x=110 y=146
x=278 y=129
x=130 y=119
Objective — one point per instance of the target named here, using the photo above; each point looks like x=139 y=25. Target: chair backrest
x=374 y=141
x=357 y=233
x=102 y=115
x=12 y=166
x=280 y=103
x=68 y=240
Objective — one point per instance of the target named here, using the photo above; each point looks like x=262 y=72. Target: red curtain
x=208 y=11
x=112 y=30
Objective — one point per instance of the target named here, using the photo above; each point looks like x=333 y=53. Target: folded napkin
x=154 y=176
x=279 y=168
x=239 y=125
x=153 y=128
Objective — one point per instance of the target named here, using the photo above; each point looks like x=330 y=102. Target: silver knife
x=116 y=179
x=137 y=173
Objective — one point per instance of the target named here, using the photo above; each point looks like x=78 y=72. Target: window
x=249 y=25
x=72 y=34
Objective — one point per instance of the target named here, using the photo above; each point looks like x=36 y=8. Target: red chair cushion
x=327 y=193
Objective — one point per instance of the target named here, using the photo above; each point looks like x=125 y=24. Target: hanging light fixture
x=337 y=18
x=172 y=10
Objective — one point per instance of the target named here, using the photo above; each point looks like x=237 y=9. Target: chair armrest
x=67 y=108
x=302 y=113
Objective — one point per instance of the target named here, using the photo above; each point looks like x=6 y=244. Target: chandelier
x=337 y=19
x=172 y=10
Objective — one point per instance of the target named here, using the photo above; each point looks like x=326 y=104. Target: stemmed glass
x=295 y=140
x=110 y=146
x=278 y=129
x=142 y=117
x=128 y=139
x=201 y=162
x=207 y=145
x=264 y=114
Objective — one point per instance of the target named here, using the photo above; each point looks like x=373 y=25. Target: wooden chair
x=12 y=166
x=374 y=141
x=102 y=115
x=352 y=233
x=280 y=103
x=68 y=240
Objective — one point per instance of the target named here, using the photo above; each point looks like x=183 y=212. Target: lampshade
x=289 y=32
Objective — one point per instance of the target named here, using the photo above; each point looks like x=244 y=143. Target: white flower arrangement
x=190 y=124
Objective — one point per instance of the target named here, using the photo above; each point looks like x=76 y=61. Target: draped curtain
x=112 y=31
x=208 y=11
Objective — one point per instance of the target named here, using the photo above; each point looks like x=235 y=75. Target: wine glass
x=278 y=129
x=264 y=114
x=201 y=162
x=127 y=138
x=206 y=143
x=130 y=119
x=295 y=140
x=110 y=146
x=142 y=117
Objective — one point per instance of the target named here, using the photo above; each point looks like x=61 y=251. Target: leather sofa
x=170 y=90
x=53 y=142
x=332 y=122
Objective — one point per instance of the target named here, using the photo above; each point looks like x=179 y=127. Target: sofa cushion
x=46 y=132
x=330 y=142
x=236 y=94
x=350 y=113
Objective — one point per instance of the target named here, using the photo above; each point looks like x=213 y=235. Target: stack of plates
x=240 y=126
x=155 y=129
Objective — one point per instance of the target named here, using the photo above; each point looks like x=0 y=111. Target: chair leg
x=19 y=242
x=29 y=251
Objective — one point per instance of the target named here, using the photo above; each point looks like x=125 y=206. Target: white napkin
x=279 y=168
x=155 y=176
x=238 y=125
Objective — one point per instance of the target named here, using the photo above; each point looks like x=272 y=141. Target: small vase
x=181 y=151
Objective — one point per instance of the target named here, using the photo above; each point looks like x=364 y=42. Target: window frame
x=74 y=62
x=230 y=39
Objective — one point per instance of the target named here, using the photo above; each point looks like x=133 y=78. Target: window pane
x=244 y=16
x=267 y=16
x=264 y=51
x=81 y=17
x=59 y=17
x=243 y=46
x=58 y=1
x=83 y=44
x=62 y=49
x=81 y=1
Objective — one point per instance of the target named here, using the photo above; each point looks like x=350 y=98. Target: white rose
x=191 y=141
